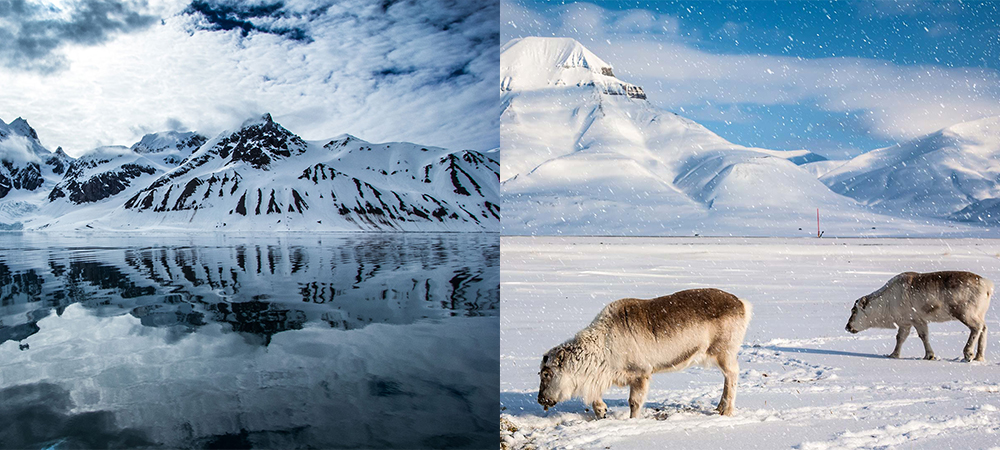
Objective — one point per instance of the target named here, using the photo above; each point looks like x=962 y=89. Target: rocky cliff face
x=26 y=177
x=83 y=184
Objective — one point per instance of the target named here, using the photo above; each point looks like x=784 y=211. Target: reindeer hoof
x=893 y=355
x=930 y=357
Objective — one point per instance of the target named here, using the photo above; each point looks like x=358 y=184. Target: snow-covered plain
x=804 y=381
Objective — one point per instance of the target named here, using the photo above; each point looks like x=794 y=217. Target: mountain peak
x=538 y=63
x=168 y=141
x=258 y=142
x=559 y=52
x=987 y=128
x=20 y=126
x=264 y=119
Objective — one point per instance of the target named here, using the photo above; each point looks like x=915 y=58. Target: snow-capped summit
x=27 y=170
x=938 y=174
x=169 y=141
x=539 y=63
x=259 y=141
x=20 y=126
x=18 y=132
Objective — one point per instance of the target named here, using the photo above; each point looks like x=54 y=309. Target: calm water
x=314 y=341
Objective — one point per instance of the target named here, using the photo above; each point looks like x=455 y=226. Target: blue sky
x=839 y=78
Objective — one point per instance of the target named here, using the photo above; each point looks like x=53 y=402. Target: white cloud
x=583 y=18
x=33 y=32
x=730 y=29
x=728 y=113
x=585 y=21
x=896 y=102
x=516 y=21
x=17 y=149
x=420 y=71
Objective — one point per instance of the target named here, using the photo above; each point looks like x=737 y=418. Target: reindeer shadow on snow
x=828 y=352
x=821 y=351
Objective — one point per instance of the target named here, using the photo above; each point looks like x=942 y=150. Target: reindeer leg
x=975 y=328
x=981 y=350
x=730 y=369
x=600 y=408
x=923 y=333
x=901 y=335
x=637 y=395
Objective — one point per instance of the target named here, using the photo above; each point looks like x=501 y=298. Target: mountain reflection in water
x=246 y=342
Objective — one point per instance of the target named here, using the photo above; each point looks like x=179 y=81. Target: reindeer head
x=556 y=383
x=859 y=320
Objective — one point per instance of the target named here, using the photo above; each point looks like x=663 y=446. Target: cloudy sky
x=839 y=78
x=86 y=73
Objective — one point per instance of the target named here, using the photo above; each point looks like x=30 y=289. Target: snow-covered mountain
x=584 y=153
x=106 y=171
x=538 y=63
x=27 y=171
x=263 y=177
x=953 y=172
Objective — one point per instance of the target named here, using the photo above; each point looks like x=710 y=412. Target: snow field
x=804 y=381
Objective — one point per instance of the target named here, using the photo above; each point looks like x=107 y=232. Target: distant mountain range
x=583 y=152
x=953 y=173
x=258 y=177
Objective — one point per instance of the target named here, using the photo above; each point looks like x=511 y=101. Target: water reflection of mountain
x=258 y=288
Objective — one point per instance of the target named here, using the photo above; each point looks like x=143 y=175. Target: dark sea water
x=249 y=341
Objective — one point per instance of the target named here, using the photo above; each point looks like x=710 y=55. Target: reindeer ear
x=545 y=359
x=560 y=357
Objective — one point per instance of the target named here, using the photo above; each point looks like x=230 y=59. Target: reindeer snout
x=851 y=329
x=546 y=402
